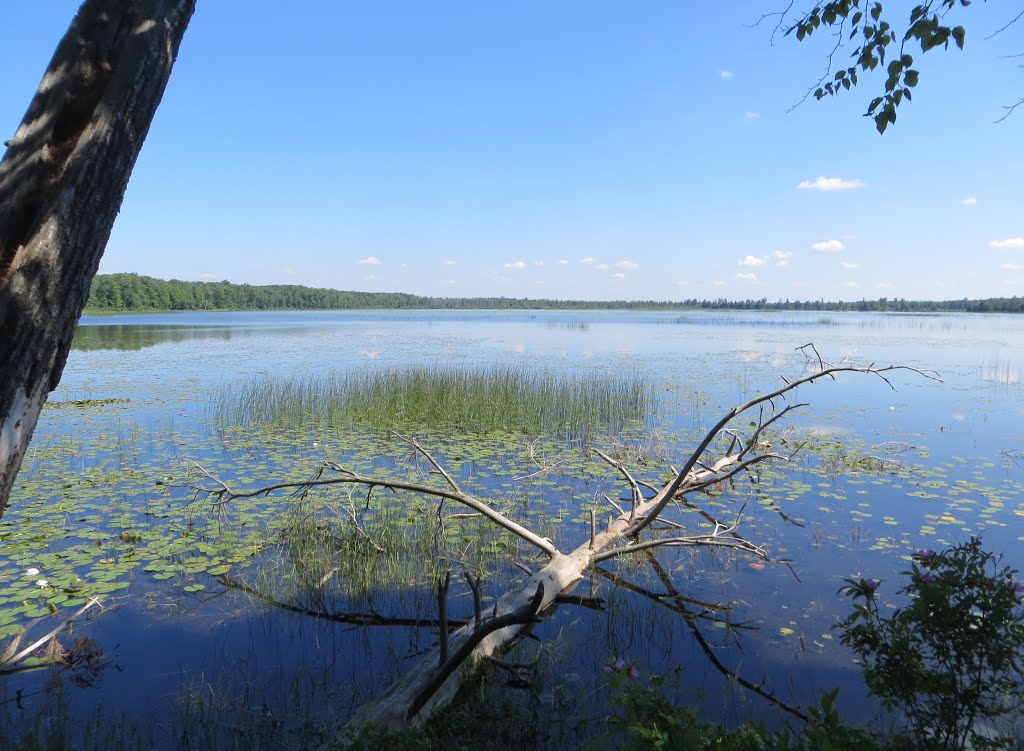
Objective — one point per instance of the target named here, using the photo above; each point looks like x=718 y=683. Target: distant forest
x=130 y=292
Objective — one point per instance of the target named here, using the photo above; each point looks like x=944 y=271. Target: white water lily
x=43 y=583
x=32 y=572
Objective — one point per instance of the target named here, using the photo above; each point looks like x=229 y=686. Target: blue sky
x=590 y=150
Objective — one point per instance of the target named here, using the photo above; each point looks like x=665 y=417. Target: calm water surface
x=938 y=462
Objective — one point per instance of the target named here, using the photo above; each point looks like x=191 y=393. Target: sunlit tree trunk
x=62 y=180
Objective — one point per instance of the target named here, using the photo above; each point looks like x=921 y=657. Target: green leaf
x=958 y=36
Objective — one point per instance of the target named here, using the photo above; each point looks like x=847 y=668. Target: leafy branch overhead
x=864 y=24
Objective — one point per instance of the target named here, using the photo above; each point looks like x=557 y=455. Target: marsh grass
x=512 y=398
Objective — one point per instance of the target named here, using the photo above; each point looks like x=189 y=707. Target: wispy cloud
x=588 y=260
x=601 y=267
x=539 y=264
x=448 y=262
x=208 y=276
x=849 y=265
x=830 y=183
x=850 y=285
x=752 y=261
x=746 y=277
x=752 y=115
x=1012 y=266
x=1010 y=243
x=370 y=278
x=828 y=246
x=726 y=74
x=516 y=265
x=369 y=261
x=719 y=283
x=970 y=201
x=562 y=262
x=682 y=282
x=885 y=285
x=618 y=275
x=627 y=265
x=782 y=257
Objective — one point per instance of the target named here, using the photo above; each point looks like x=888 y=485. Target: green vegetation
x=949 y=664
x=872 y=36
x=116 y=293
x=509 y=399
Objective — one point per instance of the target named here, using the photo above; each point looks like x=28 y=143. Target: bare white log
x=413 y=698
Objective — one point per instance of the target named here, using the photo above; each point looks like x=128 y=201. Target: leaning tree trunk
x=62 y=180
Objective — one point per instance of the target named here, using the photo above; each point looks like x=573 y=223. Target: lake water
x=181 y=656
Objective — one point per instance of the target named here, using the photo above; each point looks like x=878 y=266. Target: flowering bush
x=949 y=662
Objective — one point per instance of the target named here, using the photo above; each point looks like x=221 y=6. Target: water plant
x=949 y=662
x=472 y=399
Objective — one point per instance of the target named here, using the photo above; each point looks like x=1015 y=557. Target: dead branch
x=221 y=493
x=434 y=680
x=12 y=655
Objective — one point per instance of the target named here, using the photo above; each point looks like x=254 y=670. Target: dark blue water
x=174 y=660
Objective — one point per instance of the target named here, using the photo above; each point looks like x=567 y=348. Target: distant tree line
x=131 y=292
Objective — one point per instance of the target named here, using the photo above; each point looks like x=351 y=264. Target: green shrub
x=949 y=662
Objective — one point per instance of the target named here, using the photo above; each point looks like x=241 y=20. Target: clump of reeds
x=482 y=400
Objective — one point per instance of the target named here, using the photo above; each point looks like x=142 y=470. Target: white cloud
x=448 y=262
x=451 y=281
x=370 y=278
x=682 y=282
x=602 y=267
x=208 y=276
x=970 y=201
x=719 y=283
x=1012 y=266
x=747 y=277
x=778 y=257
x=627 y=265
x=726 y=74
x=587 y=260
x=850 y=285
x=752 y=115
x=885 y=285
x=516 y=265
x=618 y=275
x=830 y=183
x=828 y=246
x=849 y=265
x=1010 y=243
x=562 y=262
x=369 y=261
x=539 y=264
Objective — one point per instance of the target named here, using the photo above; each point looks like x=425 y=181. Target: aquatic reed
x=479 y=400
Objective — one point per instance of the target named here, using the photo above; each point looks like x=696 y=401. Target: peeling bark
x=62 y=180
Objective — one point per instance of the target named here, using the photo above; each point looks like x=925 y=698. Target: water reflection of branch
x=678 y=603
x=356 y=619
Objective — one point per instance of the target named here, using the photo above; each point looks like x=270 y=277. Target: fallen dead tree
x=643 y=526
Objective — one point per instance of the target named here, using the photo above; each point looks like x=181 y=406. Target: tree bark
x=62 y=180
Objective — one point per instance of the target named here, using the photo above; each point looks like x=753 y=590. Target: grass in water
x=480 y=400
